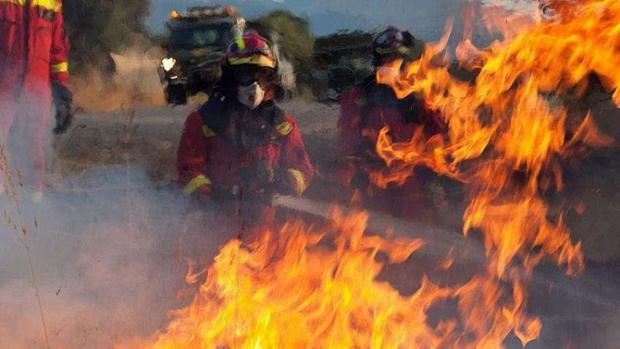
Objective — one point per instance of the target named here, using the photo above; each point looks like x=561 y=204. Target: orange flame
x=505 y=122
x=307 y=288
x=318 y=289
x=507 y=128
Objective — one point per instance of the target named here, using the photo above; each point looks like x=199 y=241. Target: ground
x=115 y=237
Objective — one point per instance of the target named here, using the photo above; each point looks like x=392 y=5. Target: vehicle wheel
x=176 y=94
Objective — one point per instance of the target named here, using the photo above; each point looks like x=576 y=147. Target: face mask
x=387 y=75
x=251 y=96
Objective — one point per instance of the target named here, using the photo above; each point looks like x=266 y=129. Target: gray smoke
x=285 y=68
x=109 y=262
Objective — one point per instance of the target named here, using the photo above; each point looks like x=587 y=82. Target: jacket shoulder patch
x=207 y=132
x=284 y=128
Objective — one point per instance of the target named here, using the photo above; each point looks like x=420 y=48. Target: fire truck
x=196 y=41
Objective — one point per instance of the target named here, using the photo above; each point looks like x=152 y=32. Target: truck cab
x=195 y=45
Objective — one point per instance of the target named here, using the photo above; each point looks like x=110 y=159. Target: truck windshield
x=204 y=35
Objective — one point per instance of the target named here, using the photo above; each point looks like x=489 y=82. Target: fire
x=302 y=287
x=503 y=126
x=307 y=288
x=507 y=130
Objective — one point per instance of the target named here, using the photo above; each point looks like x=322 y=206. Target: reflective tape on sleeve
x=196 y=183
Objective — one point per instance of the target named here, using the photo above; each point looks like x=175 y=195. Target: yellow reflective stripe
x=240 y=43
x=259 y=60
x=53 y=5
x=300 y=180
x=207 y=132
x=60 y=68
x=285 y=128
x=196 y=183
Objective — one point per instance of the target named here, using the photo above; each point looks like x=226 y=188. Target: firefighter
x=33 y=76
x=369 y=107
x=240 y=148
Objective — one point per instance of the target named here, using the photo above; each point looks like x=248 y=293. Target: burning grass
x=303 y=287
x=291 y=289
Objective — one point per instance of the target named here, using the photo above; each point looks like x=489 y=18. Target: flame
x=301 y=287
x=508 y=128
x=506 y=122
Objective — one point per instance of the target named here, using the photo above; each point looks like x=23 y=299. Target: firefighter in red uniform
x=369 y=107
x=33 y=75
x=240 y=148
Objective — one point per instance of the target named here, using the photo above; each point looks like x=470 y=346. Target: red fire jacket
x=33 y=54
x=221 y=151
x=33 y=46
x=366 y=109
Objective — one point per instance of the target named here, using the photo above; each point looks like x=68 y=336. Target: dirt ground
x=147 y=138
x=116 y=237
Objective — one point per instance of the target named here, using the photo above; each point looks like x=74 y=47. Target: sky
x=425 y=18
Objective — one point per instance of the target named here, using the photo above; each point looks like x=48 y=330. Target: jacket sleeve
x=192 y=156
x=59 y=61
x=294 y=159
x=350 y=122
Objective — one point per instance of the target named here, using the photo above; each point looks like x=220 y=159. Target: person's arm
x=295 y=163
x=59 y=61
x=192 y=156
x=350 y=123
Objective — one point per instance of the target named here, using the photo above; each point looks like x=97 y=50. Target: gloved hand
x=63 y=101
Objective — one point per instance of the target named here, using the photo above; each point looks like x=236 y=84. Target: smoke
x=110 y=251
x=285 y=68
x=522 y=6
x=134 y=84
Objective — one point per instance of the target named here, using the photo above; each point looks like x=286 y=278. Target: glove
x=63 y=101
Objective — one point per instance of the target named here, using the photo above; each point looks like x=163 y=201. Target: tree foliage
x=97 y=28
x=293 y=34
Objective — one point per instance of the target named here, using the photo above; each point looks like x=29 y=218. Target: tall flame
x=503 y=126
x=302 y=288
x=307 y=288
x=506 y=129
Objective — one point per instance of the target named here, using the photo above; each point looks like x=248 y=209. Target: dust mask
x=251 y=96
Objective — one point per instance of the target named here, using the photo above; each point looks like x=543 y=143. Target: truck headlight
x=168 y=63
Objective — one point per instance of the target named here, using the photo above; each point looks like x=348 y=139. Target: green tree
x=97 y=28
x=294 y=36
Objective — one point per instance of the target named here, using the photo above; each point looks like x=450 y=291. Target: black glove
x=63 y=101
